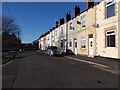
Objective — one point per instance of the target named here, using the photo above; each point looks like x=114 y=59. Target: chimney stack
x=61 y=21
x=89 y=3
x=76 y=11
x=68 y=17
x=56 y=24
x=53 y=28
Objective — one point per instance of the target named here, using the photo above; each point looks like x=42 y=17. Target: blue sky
x=35 y=18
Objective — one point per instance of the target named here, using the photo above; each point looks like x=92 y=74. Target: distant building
x=35 y=44
x=26 y=46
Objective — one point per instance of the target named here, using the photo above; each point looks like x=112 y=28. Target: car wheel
x=51 y=53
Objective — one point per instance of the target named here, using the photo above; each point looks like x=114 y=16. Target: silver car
x=53 y=50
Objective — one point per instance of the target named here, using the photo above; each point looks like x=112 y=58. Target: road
x=33 y=69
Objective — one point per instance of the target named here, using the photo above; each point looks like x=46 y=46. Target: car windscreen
x=53 y=48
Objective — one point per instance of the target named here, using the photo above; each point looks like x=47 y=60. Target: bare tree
x=9 y=26
x=10 y=34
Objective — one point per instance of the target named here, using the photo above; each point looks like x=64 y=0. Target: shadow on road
x=19 y=57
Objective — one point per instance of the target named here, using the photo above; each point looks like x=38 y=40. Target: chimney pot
x=76 y=11
x=89 y=3
x=61 y=21
x=56 y=24
x=68 y=17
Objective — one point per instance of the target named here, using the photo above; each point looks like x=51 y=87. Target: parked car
x=53 y=50
x=68 y=51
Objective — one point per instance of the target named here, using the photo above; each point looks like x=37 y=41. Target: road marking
x=93 y=63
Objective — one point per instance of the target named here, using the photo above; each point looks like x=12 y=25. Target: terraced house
x=92 y=32
x=86 y=31
x=62 y=35
x=108 y=32
x=73 y=31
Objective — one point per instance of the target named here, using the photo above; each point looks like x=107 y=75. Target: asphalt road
x=33 y=69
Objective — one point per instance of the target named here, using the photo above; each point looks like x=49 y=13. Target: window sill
x=83 y=48
x=110 y=47
x=83 y=27
x=109 y=17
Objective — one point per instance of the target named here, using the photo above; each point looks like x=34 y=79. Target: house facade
x=87 y=32
x=41 y=44
x=92 y=32
x=72 y=35
x=73 y=31
x=107 y=16
x=62 y=35
x=48 y=40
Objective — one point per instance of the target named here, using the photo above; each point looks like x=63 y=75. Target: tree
x=9 y=26
x=10 y=34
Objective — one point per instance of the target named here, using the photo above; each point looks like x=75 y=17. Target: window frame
x=107 y=5
x=83 y=20
x=109 y=35
x=56 y=33
x=70 y=41
x=62 y=33
x=83 y=39
x=70 y=26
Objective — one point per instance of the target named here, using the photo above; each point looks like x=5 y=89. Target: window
x=83 y=42
x=75 y=44
x=110 y=8
x=61 y=43
x=52 y=34
x=56 y=33
x=48 y=37
x=83 y=22
x=70 y=43
x=61 y=30
x=110 y=38
x=70 y=26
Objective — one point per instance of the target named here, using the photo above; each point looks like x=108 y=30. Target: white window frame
x=70 y=26
x=62 y=31
x=109 y=35
x=83 y=40
x=51 y=34
x=70 y=40
x=55 y=32
x=83 y=17
x=48 y=37
x=108 y=1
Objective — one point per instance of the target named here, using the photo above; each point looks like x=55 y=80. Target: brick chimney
x=56 y=24
x=76 y=11
x=68 y=17
x=89 y=3
x=61 y=21
x=53 y=28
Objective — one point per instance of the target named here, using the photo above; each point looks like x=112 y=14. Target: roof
x=71 y=18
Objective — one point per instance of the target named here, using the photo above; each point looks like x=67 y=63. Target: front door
x=91 y=45
x=75 y=47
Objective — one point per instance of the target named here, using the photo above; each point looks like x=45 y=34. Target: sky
x=36 y=18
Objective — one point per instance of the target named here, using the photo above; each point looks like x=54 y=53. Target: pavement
x=112 y=65
x=7 y=58
x=34 y=69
